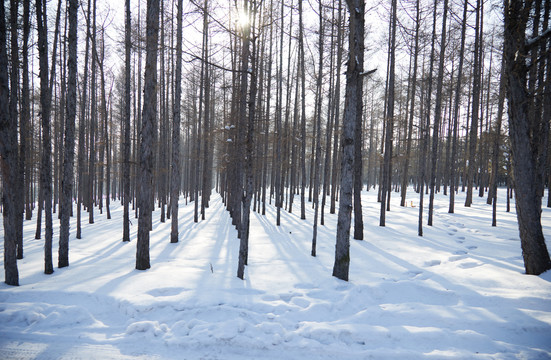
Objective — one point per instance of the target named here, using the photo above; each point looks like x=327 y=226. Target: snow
x=459 y=292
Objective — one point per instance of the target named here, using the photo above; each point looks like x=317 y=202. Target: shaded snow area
x=459 y=292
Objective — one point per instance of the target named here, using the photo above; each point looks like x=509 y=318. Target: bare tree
x=437 y=113
x=69 y=146
x=353 y=106
x=528 y=138
x=175 y=176
x=148 y=127
x=8 y=152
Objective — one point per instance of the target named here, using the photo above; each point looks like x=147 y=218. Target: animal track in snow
x=432 y=263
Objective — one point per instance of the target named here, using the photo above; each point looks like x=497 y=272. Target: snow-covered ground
x=459 y=292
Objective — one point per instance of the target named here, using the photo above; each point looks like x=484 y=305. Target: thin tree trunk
x=456 y=108
x=389 y=120
x=318 y=134
x=247 y=150
x=24 y=126
x=13 y=111
x=69 y=146
x=81 y=127
x=45 y=102
x=176 y=177
x=302 y=113
x=426 y=130
x=437 y=113
x=475 y=110
x=405 y=176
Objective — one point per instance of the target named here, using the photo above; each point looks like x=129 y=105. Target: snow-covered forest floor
x=459 y=292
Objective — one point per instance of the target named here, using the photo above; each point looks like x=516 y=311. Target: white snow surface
x=458 y=292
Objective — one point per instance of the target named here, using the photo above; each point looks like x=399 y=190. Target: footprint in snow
x=432 y=263
x=301 y=302
x=167 y=291
x=457 y=258
x=469 y=265
x=414 y=273
x=472 y=247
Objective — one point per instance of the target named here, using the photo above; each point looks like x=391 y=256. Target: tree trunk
x=437 y=113
x=426 y=130
x=81 y=127
x=175 y=176
x=8 y=152
x=45 y=104
x=302 y=113
x=405 y=176
x=457 y=101
x=353 y=105
x=24 y=163
x=389 y=120
x=69 y=146
x=318 y=134
x=524 y=138
x=247 y=150
x=475 y=110
x=148 y=127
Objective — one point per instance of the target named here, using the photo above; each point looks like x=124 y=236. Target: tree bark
x=175 y=176
x=457 y=101
x=8 y=152
x=45 y=104
x=353 y=105
x=437 y=113
x=148 y=127
x=69 y=145
x=524 y=136
x=405 y=176
x=475 y=110
x=246 y=147
x=389 y=120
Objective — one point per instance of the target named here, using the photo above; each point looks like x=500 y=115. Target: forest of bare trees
x=269 y=103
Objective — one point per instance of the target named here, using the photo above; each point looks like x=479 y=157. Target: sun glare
x=242 y=19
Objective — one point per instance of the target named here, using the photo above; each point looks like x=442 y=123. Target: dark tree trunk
x=93 y=120
x=457 y=101
x=317 y=154
x=353 y=105
x=525 y=139
x=425 y=132
x=492 y=194
x=247 y=150
x=14 y=78
x=437 y=113
x=24 y=163
x=145 y=192
x=175 y=176
x=389 y=120
x=45 y=102
x=405 y=176
x=475 y=110
x=69 y=146
x=336 y=110
x=302 y=113
x=126 y=127
x=8 y=152
x=81 y=127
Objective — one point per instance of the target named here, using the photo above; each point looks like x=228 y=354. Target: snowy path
x=458 y=292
